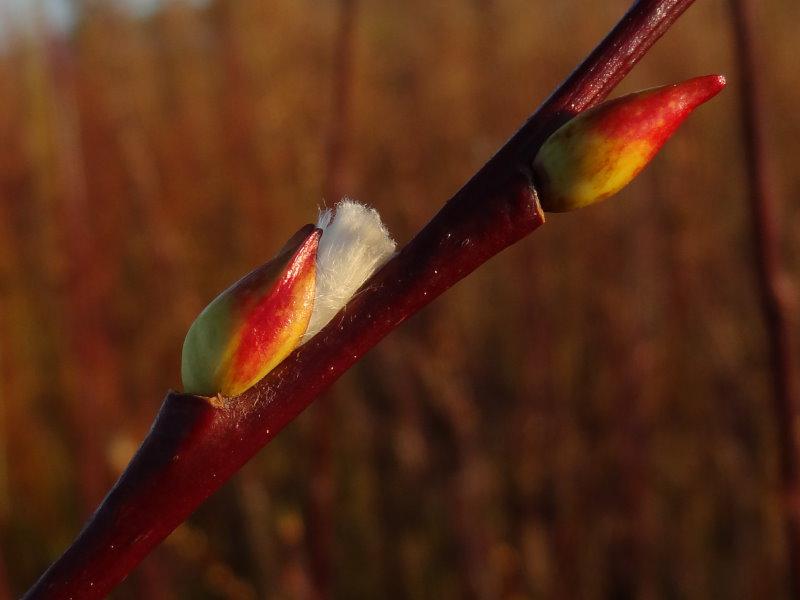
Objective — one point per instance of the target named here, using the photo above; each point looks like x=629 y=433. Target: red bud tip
x=601 y=150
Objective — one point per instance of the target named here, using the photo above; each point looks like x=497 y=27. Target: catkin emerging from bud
x=257 y=322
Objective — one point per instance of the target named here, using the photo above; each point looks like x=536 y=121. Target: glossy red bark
x=196 y=443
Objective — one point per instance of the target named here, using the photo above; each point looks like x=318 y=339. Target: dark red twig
x=772 y=283
x=196 y=444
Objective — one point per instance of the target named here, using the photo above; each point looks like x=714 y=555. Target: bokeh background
x=587 y=416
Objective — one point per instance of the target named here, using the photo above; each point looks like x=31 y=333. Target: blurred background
x=587 y=416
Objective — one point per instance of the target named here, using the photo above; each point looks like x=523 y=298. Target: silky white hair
x=354 y=244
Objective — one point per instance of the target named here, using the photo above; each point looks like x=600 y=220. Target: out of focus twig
x=320 y=526
x=773 y=286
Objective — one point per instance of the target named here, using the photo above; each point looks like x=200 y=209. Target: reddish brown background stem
x=320 y=534
x=772 y=283
x=196 y=445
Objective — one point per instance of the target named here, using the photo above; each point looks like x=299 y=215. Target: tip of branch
x=601 y=150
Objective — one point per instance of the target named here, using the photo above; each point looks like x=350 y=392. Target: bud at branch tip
x=601 y=150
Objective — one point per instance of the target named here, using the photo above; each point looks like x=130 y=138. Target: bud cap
x=254 y=324
x=601 y=150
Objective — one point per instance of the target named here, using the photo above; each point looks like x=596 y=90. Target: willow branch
x=196 y=444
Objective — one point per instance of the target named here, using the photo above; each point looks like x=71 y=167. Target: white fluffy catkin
x=354 y=244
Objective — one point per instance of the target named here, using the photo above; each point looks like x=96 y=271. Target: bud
x=601 y=150
x=254 y=324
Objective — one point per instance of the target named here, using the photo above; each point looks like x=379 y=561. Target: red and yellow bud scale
x=253 y=325
x=601 y=150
